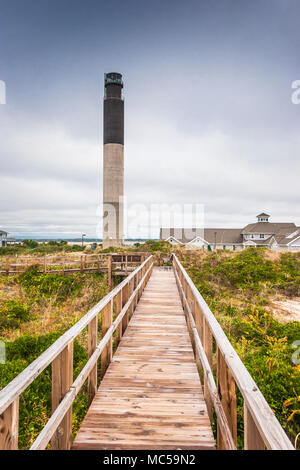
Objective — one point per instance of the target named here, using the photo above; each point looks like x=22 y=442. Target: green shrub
x=247 y=269
x=40 y=249
x=30 y=243
x=13 y=313
x=151 y=245
x=56 y=286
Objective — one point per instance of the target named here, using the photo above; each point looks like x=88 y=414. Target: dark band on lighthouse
x=113 y=109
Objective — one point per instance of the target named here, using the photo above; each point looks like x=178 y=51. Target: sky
x=209 y=116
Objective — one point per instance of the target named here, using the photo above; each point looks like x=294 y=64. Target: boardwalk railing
x=121 y=263
x=119 y=304
x=261 y=427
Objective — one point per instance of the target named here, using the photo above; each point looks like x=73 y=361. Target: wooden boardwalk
x=150 y=396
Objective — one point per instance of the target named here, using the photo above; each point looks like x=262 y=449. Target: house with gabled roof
x=263 y=233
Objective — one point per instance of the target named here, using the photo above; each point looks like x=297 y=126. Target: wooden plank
x=150 y=396
x=9 y=427
x=92 y=344
x=62 y=379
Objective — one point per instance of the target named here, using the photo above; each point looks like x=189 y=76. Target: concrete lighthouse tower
x=113 y=161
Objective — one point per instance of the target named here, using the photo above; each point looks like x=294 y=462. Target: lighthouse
x=113 y=160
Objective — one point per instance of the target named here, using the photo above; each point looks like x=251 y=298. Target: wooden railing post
x=131 y=289
x=252 y=437
x=125 y=297
x=207 y=346
x=62 y=379
x=119 y=331
x=189 y=304
x=7 y=266
x=106 y=317
x=199 y=321
x=9 y=427
x=109 y=271
x=227 y=393
x=92 y=344
x=134 y=286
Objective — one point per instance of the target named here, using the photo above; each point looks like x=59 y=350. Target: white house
x=3 y=238
x=277 y=236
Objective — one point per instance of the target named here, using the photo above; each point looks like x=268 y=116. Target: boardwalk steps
x=151 y=397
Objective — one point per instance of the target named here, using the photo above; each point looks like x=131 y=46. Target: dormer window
x=263 y=217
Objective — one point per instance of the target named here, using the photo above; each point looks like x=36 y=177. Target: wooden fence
x=119 y=304
x=120 y=264
x=261 y=427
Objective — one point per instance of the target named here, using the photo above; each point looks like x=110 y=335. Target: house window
x=233 y=247
x=224 y=247
x=252 y=236
x=261 y=235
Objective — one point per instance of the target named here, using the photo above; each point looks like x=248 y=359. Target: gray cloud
x=209 y=117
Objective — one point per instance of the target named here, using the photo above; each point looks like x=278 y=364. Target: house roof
x=210 y=235
x=286 y=238
x=183 y=235
x=223 y=235
x=264 y=242
x=263 y=214
x=3 y=233
x=284 y=234
x=267 y=227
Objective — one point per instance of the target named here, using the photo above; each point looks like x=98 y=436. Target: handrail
x=71 y=262
x=28 y=375
x=59 y=354
x=222 y=419
x=261 y=427
x=45 y=435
